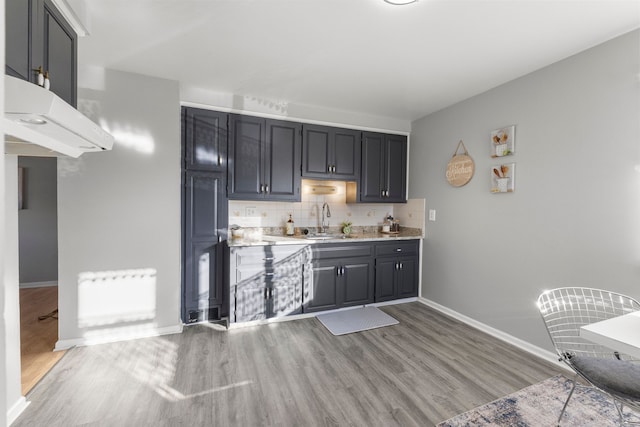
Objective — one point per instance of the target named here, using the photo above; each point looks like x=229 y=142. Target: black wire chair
x=564 y=311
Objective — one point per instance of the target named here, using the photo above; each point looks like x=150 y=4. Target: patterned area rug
x=540 y=405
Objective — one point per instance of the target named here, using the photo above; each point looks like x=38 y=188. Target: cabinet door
x=283 y=157
x=357 y=275
x=373 y=167
x=316 y=151
x=396 y=168
x=246 y=152
x=286 y=296
x=346 y=159
x=251 y=302
x=205 y=135
x=18 y=20
x=205 y=216
x=324 y=287
x=385 y=279
x=59 y=53
x=407 y=277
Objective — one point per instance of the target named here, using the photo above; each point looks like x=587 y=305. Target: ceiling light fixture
x=400 y=2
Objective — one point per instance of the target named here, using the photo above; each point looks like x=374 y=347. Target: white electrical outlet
x=250 y=211
x=432 y=214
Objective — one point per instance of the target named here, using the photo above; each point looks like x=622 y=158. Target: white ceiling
x=365 y=56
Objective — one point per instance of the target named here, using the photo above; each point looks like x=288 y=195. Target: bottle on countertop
x=386 y=225
x=39 y=76
x=289 y=227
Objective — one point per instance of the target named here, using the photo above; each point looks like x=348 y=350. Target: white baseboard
x=14 y=412
x=120 y=334
x=236 y=325
x=517 y=342
x=37 y=284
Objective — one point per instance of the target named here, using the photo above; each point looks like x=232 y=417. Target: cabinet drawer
x=397 y=248
x=276 y=274
x=263 y=255
x=328 y=251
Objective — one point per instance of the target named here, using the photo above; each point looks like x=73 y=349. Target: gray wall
x=119 y=214
x=39 y=221
x=574 y=216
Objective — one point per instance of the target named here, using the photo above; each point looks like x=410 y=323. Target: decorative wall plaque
x=503 y=141
x=460 y=168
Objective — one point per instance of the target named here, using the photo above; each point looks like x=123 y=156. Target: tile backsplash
x=308 y=212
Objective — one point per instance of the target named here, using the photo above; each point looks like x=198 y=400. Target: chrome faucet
x=324 y=227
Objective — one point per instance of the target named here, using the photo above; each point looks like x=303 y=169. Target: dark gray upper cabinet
x=264 y=159
x=282 y=160
x=19 y=25
x=205 y=134
x=384 y=168
x=38 y=36
x=329 y=152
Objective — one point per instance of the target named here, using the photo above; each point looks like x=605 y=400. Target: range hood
x=39 y=123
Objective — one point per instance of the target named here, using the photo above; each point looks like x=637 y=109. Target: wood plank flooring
x=426 y=369
x=37 y=337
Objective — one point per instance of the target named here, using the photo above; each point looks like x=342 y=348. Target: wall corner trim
x=16 y=409
x=517 y=342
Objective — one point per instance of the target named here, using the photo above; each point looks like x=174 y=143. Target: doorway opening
x=38 y=267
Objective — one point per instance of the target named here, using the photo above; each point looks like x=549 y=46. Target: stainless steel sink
x=324 y=236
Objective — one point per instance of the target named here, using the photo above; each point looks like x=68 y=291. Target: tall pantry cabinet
x=204 y=214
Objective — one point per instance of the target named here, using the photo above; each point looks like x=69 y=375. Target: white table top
x=620 y=333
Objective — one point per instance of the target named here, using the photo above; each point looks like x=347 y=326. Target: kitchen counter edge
x=267 y=240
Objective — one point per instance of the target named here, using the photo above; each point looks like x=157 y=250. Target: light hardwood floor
x=424 y=370
x=37 y=337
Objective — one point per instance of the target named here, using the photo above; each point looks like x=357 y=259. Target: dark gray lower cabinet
x=267 y=281
x=342 y=276
x=396 y=271
x=273 y=281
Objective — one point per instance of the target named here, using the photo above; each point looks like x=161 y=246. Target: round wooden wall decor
x=460 y=168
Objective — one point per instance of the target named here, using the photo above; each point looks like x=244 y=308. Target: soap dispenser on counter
x=289 y=227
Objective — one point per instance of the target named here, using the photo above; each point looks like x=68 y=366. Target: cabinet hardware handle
x=267 y=259
x=396 y=265
x=261 y=188
x=271 y=293
x=266 y=188
x=342 y=268
x=266 y=293
x=329 y=168
x=398 y=249
x=269 y=274
x=219 y=238
x=401 y=266
x=219 y=160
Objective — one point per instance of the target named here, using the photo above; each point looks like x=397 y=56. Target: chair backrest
x=565 y=310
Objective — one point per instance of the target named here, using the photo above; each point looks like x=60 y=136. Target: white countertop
x=264 y=240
